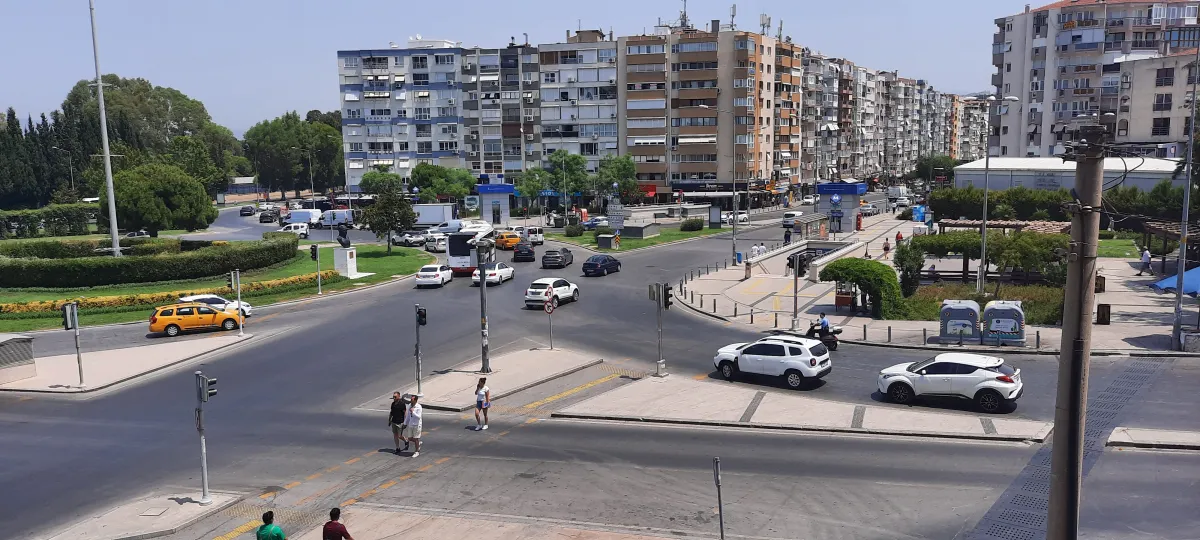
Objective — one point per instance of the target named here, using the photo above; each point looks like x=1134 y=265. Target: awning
x=708 y=194
x=1191 y=283
x=649 y=189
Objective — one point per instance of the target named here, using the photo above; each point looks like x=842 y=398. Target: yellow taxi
x=507 y=240
x=176 y=318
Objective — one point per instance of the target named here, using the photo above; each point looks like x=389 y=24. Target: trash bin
x=739 y=257
x=559 y=221
x=1099 y=283
x=1103 y=313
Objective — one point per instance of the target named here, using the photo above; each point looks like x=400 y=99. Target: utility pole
x=421 y=320
x=205 y=389
x=796 y=260
x=482 y=249
x=108 y=178
x=1181 y=262
x=237 y=275
x=1070 y=409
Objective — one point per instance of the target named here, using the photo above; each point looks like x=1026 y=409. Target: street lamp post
x=482 y=249
x=733 y=178
x=1181 y=261
x=108 y=178
x=981 y=274
x=70 y=165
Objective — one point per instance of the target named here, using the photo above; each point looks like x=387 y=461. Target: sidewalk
x=1141 y=319
x=682 y=400
x=454 y=388
x=147 y=517
x=377 y=524
x=101 y=369
x=1154 y=438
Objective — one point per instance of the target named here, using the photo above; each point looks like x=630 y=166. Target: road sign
x=548 y=307
x=835 y=199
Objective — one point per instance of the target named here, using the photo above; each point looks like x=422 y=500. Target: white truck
x=895 y=192
x=432 y=214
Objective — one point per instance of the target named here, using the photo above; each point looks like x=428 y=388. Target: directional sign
x=548 y=307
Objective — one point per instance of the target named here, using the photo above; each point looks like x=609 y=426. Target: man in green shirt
x=269 y=530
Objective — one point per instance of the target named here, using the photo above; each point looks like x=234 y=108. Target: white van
x=330 y=219
x=789 y=218
x=309 y=217
x=301 y=229
x=448 y=227
x=535 y=235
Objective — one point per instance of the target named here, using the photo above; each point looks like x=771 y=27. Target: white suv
x=987 y=380
x=793 y=358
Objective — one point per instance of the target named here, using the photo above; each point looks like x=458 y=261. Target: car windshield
x=538 y=286
x=1004 y=369
x=429 y=269
x=488 y=266
x=595 y=259
x=921 y=365
x=818 y=350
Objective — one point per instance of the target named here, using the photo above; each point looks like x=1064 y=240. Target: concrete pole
x=981 y=275
x=481 y=251
x=1070 y=409
x=417 y=350
x=1181 y=264
x=108 y=179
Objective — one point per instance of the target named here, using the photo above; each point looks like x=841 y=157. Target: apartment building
x=579 y=96
x=970 y=129
x=901 y=123
x=1154 y=111
x=1064 y=63
x=500 y=95
x=789 y=101
x=819 y=116
x=398 y=107
x=697 y=108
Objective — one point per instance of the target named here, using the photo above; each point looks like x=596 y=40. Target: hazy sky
x=249 y=60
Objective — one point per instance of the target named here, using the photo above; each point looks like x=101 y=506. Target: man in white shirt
x=412 y=426
x=1145 y=262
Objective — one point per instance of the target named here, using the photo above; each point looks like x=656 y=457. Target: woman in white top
x=483 y=401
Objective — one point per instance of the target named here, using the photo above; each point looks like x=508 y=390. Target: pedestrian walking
x=887 y=248
x=1145 y=262
x=396 y=420
x=791 y=266
x=269 y=530
x=334 y=530
x=762 y=249
x=899 y=237
x=787 y=236
x=483 y=402
x=412 y=426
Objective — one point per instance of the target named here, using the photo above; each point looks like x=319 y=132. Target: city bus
x=461 y=255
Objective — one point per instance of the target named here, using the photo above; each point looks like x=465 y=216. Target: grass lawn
x=1122 y=248
x=1042 y=304
x=666 y=235
x=372 y=259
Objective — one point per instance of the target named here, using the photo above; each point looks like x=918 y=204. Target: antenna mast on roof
x=683 y=18
x=764 y=21
x=779 y=35
x=732 y=16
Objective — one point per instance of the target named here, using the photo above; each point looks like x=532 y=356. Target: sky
x=251 y=60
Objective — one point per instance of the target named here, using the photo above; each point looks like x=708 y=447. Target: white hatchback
x=796 y=359
x=300 y=229
x=434 y=275
x=987 y=380
x=553 y=290
x=497 y=273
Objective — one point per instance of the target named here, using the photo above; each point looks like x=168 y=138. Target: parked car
x=789 y=218
x=590 y=224
x=808 y=199
x=507 y=240
x=137 y=234
x=559 y=258
x=868 y=210
x=301 y=229
x=266 y=206
x=434 y=275
x=601 y=265
x=551 y=289
x=177 y=318
x=268 y=216
x=408 y=239
x=219 y=302
x=796 y=359
x=903 y=201
x=987 y=380
x=743 y=217
x=523 y=252
x=247 y=211
x=435 y=242
x=497 y=273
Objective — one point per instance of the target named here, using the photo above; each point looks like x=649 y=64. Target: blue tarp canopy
x=1191 y=283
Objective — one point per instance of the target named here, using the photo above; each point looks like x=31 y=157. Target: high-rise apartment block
x=1079 y=62
x=705 y=111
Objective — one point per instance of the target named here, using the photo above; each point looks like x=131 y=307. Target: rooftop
x=1155 y=165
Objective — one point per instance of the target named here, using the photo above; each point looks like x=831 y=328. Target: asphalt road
x=286 y=409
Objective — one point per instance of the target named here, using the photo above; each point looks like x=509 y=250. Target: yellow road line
x=351 y=461
x=348 y=502
x=267 y=495
x=530 y=421
x=572 y=391
x=403 y=478
x=291 y=485
x=333 y=468
x=441 y=461
x=371 y=453
x=502 y=433
x=700 y=377
x=240 y=530
x=387 y=484
x=313 y=476
x=425 y=468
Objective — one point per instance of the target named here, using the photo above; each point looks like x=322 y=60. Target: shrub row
x=1015 y=203
x=70 y=249
x=248 y=289
x=692 y=224
x=52 y=220
x=877 y=279
x=93 y=271
x=573 y=230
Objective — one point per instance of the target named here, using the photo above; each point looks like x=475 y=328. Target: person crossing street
x=396 y=420
x=483 y=402
x=412 y=426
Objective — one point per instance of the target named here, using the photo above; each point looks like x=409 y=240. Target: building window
x=598 y=130
x=744 y=44
x=353 y=113
x=693 y=158
x=1162 y=102
x=380 y=112
x=742 y=102
x=692 y=66
x=550 y=77
x=447 y=111
x=1004 y=150
x=1164 y=77
x=634 y=123
x=645 y=49
x=420 y=79
x=1161 y=127
x=448 y=146
x=704 y=46
x=693 y=122
x=424 y=147
x=443 y=59
x=379 y=131
x=350 y=61
x=589 y=149
x=419 y=62
x=356 y=147
x=379 y=147
x=642 y=104
x=644 y=68
x=421 y=113
x=424 y=131
x=659 y=140
x=401 y=146
x=606 y=55
x=677 y=85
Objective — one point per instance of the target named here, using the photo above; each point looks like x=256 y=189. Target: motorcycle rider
x=821 y=327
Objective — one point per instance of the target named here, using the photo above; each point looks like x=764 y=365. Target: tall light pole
x=108 y=179
x=70 y=165
x=483 y=248
x=1181 y=261
x=733 y=158
x=987 y=169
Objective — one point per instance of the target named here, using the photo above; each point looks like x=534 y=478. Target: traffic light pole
x=241 y=312
x=417 y=349
x=201 y=391
x=795 y=291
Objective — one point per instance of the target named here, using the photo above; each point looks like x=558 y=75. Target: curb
x=92 y=389
x=544 y=380
x=238 y=497
x=1040 y=437
x=1153 y=445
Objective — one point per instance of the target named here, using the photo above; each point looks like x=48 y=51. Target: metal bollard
x=1037 y=344
x=924 y=336
x=693 y=272
x=889 y=333
x=751 y=315
x=735 y=309
x=864 y=332
x=776 y=319
x=692 y=297
x=714 y=305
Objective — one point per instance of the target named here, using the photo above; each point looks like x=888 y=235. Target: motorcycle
x=829 y=338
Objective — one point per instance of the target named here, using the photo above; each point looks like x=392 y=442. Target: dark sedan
x=247 y=211
x=560 y=258
x=601 y=265
x=268 y=217
x=523 y=252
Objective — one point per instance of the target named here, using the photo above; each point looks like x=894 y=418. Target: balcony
x=1113 y=45
x=1086 y=23
x=1160 y=107
x=1160 y=131
x=1146 y=44
x=1109 y=91
x=1164 y=81
x=1085 y=68
x=1083 y=91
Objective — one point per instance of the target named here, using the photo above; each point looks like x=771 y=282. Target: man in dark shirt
x=334 y=530
x=396 y=420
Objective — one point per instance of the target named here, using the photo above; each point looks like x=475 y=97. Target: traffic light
x=206 y=387
x=229 y=280
x=68 y=316
x=312 y=252
x=421 y=316
x=667 y=295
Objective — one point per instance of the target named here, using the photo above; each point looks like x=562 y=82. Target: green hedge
x=94 y=271
x=877 y=279
x=599 y=231
x=70 y=249
x=52 y=220
x=1019 y=202
x=692 y=224
x=573 y=230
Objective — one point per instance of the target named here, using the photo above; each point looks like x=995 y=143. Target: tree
x=391 y=211
x=275 y=147
x=873 y=277
x=621 y=171
x=909 y=261
x=377 y=182
x=192 y=156
x=158 y=197
x=964 y=243
x=332 y=119
x=568 y=173
x=926 y=165
x=531 y=183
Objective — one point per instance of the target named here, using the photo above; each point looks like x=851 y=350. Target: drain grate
x=1121 y=391
x=1029 y=502
x=1101 y=414
x=1006 y=532
x=1027 y=519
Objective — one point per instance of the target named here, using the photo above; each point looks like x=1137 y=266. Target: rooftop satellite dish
x=418 y=37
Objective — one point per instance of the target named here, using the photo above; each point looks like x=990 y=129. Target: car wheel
x=794 y=379
x=172 y=330
x=989 y=401
x=832 y=345
x=727 y=370
x=603 y=272
x=900 y=393
x=229 y=324
x=304 y=236
x=575 y=296
x=554 y=301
